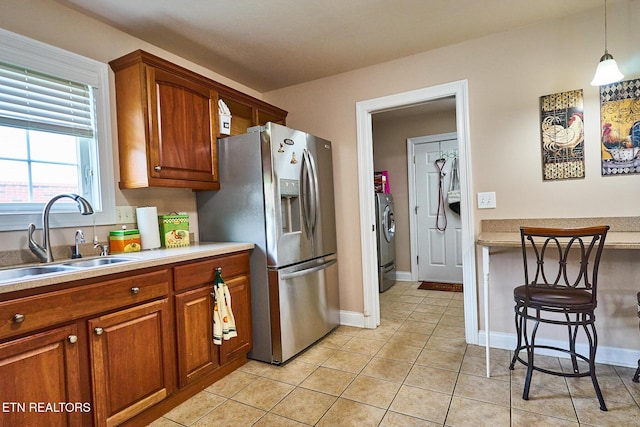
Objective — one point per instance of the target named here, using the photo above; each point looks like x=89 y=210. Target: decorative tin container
x=121 y=241
x=174 y=230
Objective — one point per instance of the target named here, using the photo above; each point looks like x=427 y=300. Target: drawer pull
x=135 y=290
x=98 y=331
x=73 y=339
x=18 y=318
x=157 y=168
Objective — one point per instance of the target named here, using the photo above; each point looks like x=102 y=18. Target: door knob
x=157 y=168
x=98 y=331
x=72 y=339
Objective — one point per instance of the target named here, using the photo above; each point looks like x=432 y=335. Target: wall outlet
x=126 y=214
x=487 y=200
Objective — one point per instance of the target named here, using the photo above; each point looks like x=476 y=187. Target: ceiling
x=270 y=44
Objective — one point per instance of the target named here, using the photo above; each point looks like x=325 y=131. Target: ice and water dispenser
x=290 y=205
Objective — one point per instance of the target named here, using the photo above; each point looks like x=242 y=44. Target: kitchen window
x=54 y=134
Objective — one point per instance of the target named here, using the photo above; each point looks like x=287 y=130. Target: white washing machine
x=386 y=241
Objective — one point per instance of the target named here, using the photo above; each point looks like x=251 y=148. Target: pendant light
x=607 y=71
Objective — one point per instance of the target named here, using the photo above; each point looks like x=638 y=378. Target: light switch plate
x=487 y=200
x=126 y=214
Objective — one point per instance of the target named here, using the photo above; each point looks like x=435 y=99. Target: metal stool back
x=560 y=288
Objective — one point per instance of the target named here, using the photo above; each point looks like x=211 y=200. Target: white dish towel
x=224 y=324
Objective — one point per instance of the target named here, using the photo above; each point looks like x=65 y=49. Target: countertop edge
x=140 y=260
x=614 y=240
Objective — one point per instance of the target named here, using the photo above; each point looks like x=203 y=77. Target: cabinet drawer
x=202 y=272
x=39 y=311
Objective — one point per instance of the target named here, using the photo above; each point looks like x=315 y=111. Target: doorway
x=435 y=229
x=364 y=110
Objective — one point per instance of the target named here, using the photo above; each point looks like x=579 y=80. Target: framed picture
x=562 y=135
x=620 y=127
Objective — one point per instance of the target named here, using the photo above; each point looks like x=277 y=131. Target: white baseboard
x=403 y=276
x=607 y=355
x=352 y=318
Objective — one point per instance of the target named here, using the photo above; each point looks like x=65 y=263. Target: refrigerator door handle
x=299 y=273
x=309 y=194
x=314 y=192
x=304 y=178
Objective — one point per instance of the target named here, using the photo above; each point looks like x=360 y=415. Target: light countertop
x=614 y=240
x=623 y=234
x=144 y=259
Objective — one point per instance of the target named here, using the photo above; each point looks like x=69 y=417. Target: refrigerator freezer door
x=307 y=296
x=298 y=189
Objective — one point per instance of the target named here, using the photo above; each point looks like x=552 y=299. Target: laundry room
x=397 y=135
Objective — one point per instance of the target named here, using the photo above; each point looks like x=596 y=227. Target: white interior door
x=439 y=251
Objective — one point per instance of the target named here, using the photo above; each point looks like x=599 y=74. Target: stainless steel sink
x=96 y=262
x=15 y=274
x=28 y=272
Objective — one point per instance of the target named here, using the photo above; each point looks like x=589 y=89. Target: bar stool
x=637 y=374
x=561 y=277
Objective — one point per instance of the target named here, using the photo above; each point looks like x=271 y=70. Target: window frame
x=25 y=52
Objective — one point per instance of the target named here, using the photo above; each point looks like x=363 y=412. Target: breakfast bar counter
x=624 y=234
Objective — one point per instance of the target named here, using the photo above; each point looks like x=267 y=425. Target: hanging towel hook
x=439 y=164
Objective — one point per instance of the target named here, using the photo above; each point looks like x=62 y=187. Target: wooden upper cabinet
x=168 y=122
x=182 y=119
x=166 y=125
x=245 y=113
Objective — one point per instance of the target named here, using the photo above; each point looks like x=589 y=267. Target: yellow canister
x=121 y=241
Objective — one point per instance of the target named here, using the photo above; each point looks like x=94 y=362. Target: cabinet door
x=41 y=370
x=197 y=355
x=131 y=361
x=241 y=306
x=182 y=141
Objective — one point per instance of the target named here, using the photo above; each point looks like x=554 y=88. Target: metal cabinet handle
x=18 y=318
x=72 y=339
x=135 y=290
x=157 y=168
x=98 y=331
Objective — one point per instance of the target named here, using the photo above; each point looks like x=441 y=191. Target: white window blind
x=76 y=91
x=37 y=101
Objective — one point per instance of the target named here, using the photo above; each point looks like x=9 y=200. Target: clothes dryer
x=386 y=240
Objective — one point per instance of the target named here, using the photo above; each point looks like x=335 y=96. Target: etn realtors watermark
x=45 y=407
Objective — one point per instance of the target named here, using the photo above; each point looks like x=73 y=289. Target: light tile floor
x=414 y=370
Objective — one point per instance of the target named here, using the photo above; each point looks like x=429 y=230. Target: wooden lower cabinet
x=129 y=358
x=119 y=351
x=197 y=354
x=241 y=306
x=40 y=380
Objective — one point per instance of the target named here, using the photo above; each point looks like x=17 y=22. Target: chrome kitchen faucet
x=44 y=251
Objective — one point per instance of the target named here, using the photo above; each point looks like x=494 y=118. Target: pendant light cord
x=605 y=27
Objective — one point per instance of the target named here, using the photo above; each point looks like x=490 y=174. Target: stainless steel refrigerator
x=276 y=190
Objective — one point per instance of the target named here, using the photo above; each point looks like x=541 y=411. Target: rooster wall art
x=620 y=127
x=562 y=135
x=556 y=137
